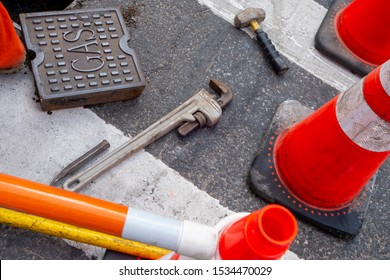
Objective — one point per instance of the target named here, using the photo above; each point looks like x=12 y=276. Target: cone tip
x=278 y=224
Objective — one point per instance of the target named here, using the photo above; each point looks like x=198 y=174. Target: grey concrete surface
x=181 y=45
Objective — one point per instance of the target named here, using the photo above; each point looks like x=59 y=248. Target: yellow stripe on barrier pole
x=62 y=230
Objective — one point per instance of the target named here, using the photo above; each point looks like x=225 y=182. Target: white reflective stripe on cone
x=384 y=77
x=360 y=123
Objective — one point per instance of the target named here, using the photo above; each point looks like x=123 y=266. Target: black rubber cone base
x=328 y=43
x=345 y=222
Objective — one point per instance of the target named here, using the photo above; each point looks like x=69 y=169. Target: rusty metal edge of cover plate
x=77 y=97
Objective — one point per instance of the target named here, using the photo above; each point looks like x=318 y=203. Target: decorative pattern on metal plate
x=82 y=57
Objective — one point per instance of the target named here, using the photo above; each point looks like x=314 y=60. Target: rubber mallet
x=253 y=17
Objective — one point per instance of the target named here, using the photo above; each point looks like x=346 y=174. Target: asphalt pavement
x=181 y=46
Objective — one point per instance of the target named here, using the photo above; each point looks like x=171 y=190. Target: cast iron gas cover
x=82 y=58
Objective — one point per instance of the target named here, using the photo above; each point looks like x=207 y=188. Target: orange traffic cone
x=323 y=163
x=12 y=51
x=265 y=234
x=327 y=158
x=356 y=33
x=364 y=27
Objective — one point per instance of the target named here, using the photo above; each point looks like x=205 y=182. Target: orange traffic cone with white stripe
x=356 y=34
x=12 y=51
x=327 y=158
x=323 y=164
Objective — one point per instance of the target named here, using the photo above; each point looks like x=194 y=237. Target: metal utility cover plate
x=82 y=58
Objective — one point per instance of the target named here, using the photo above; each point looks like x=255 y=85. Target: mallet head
x=244 y=18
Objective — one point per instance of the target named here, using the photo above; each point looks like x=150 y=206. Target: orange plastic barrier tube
x=60 y=205
x=62 y=230
x=107 y=217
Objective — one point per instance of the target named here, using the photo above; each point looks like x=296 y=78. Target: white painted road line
x=291 y=25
